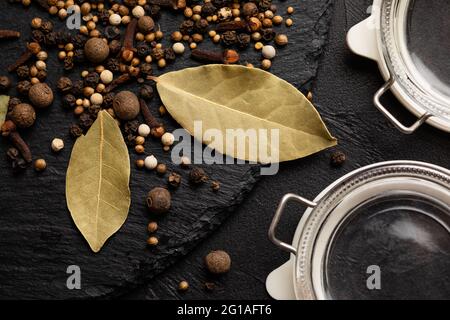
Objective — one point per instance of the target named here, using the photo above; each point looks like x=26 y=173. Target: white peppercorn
x=167 y=139
x=268 y=52
x=97 y=99
x=178 y=48
x=150 y=162
x=138 y=12
x=115 y=19
x=144 y=130
x=106 y=76
x=57 y=145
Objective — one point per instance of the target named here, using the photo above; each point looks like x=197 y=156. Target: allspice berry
x=159 y=200
x=41 y=95
x=96 y=50
x=249 y=9
x=146 y=24
x=126 y=105
x=218 y=262
x=23 y=115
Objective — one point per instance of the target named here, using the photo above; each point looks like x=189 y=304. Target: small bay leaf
x=227 y=97
x=97 y=181
x=4 y=101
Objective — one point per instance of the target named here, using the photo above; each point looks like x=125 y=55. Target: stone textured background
x=38 y=239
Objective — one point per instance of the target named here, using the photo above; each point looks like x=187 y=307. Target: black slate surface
x=38 y=239
x=343 y=95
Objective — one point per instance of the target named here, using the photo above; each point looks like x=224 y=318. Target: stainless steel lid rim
x=391 y=53
x=304 y=287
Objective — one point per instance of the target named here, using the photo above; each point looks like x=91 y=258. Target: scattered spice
x=8 y=129
x=209 y=286
x=152 y=227
x=41 y=95
x=23 y=115
x=159 y=200
x=215 y=186
x=57 y=145
x=126 y=105
x=156 y=128
x=337 y=159
x=197 y=176
x=218 y=262
x=9 y=34
x=174 y=180
x=40 y=165
x=152 y=241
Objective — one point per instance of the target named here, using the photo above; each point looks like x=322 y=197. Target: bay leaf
x=97 y=181
x=226 y=97
x=4 y=101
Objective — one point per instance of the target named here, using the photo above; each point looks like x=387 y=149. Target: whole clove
x=156 y=128
x=231 y=26
x=122 y=79
x=9 y=34
x=9 y=130
x=228 y=56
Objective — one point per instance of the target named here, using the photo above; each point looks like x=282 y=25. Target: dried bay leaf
x=236 y=97
x=97 y=181
x=4 y=101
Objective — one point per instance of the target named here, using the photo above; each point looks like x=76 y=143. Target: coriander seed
x=139 y=140
x=152 y=241
x=139 y=149
x=152 y=227
x=183 y=286
x=161 y=168
x=289 y=22
x=40 y=165
x=266 y=64
x=140 y=163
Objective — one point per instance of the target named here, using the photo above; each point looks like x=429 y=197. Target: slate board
x=38 y=239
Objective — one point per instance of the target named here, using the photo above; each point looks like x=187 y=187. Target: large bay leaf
x=236 y=97
x=97 y=182
x=4 y=101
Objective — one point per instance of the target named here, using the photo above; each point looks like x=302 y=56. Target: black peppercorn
x=76 y=131
x=41 y=75
x=221 y=3
x=201 y=26
x=197 y=176
x=143 y=49
x=86 y=121
x=229 y=38
x=93 y=110
x=78 y=56
x=169 y=55
x=113 y=65
x=112 y=32
x=154 y=11
x=68 y=63
x=267 y=34
x=103 y=17
x=5 y=83
x=50 y=39
x=63 y=37
x=23 y=72
x=79 y=41
x=130 y=139
x=337 y=159
x=69 y=101
x=146 y=92
x=114 y=47
x=243 y=40
x=77 y=87
x=19 y=164
x=108 y=100
x=37 y=36
x=64 y=84
x=174 y=180
x=187 y=27
x=47 y=26
x=23 y=87
x=264 y=5
x=157 y=53
x=91 y=80
x=131 y=126
x=208 y=9
x=146 y=69
x=14 y=101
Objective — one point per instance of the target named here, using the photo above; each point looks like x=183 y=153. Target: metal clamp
x=290 y=196
x=390 y=117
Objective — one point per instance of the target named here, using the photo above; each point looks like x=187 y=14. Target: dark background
x=343 y=95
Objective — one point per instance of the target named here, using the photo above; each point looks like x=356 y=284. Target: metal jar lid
x=380 y=232
x=407 y=39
